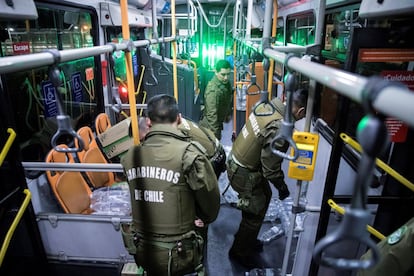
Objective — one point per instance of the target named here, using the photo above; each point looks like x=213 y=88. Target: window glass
x=301 y=29
x=32 y=93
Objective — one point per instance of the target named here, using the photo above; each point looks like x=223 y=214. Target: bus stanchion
x=65 y=129
x=373 y=137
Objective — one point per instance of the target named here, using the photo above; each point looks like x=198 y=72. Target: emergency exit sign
x=21 y=48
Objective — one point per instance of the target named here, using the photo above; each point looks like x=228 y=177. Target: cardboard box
x=115 y=141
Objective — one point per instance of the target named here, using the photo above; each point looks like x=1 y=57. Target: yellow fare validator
x=304 y=166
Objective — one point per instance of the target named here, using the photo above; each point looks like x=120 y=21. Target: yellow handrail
x=130 y=76
x=141 y=76
x=174 y=50
x=379 y=163
x=8 y=144
x=233 y=135
x=272 y=62
x=341 y=210
x=12 y=228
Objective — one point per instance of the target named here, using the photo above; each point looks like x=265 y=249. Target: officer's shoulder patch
x=397 y=235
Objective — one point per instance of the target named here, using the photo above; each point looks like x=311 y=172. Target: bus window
x=31 y=92
x=300 y=29
x=113 y=34
x=280 y=31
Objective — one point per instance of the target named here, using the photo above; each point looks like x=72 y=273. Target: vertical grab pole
x=233 y=135
x=174 y=52
x=130 y=78
x=272 y=62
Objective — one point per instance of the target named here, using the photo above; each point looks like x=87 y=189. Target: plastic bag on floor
x=114 y=200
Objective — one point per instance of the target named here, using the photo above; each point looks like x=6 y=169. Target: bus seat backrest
x=102 y=123
x=88 y=138
x=69 y=188
x=93 y=154
x=74 y=192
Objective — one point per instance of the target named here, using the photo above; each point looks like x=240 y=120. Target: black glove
x=283 y=192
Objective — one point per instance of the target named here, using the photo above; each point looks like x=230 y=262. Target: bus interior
x=64 y=198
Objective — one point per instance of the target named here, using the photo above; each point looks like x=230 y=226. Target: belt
x=168 y=243
x=235 y=166
x=232 y=157
x=239 y=165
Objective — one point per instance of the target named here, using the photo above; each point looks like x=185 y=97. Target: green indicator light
x=363 y=123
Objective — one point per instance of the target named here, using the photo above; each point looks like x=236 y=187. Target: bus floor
x=221 y=233
x=220 y=238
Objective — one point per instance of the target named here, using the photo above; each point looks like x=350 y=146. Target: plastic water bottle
x=273 y=233
x=274 y=210
x=261 y=272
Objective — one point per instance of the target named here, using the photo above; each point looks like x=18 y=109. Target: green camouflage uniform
x=250 y=167
x=396 y=254
x=169 y=190
x=217 y=105
x=214 y=149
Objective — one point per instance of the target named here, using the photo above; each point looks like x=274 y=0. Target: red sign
x=21 y=48
x=89 y=74
x=406 y=77
x=396 y=128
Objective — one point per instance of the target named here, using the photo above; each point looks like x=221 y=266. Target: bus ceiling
x=13 y=9
x=111 y=15
x=139 y=4
x=378 y=9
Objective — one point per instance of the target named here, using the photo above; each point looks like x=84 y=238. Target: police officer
x=214 y=149
x=251 y=165
x=396 y=254
x=169 y=189
x=215 y=152
x=218 y=99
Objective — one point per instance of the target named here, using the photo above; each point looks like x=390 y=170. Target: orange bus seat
x=70 y=189
x=93 y=154
x=88 y=138
x=102 y=123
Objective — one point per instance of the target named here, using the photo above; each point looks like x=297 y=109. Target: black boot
x=248 y=261
x=258 y=246
x=245 y=247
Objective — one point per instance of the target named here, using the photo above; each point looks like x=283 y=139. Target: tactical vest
x=200 y=134
x=248 y=144
x=162 y=202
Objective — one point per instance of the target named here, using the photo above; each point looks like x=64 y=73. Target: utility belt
x=131 y=237
x=182 y=251
x=244 y=182
x=182 y=256
x=236 y=166
x=166 y=241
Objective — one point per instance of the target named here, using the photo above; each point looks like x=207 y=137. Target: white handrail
x=392 y=100
x=74 y=167
x=25 y=62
